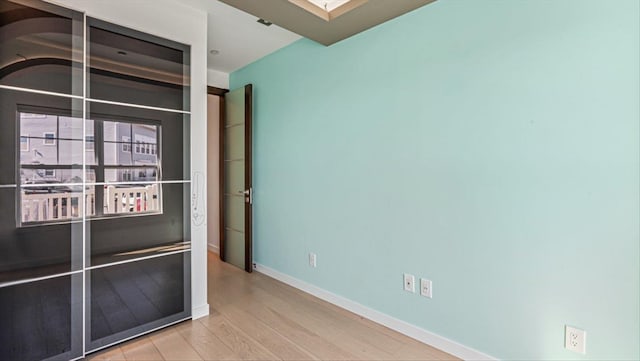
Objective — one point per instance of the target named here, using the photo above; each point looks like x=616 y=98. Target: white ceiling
x=238 y=37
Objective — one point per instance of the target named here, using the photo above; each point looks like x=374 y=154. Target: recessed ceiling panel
x=328 y=5
x=328 y=9
x=327 y=21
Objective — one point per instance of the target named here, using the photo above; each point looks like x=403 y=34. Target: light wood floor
x=254 y=317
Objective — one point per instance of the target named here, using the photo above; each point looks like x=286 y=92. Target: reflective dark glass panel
x=37 y=234
x=131 y=298
x=40 y=132
x=39 y=249
x=136 y=225
x=83 y=192
x=41 y=47
x=136 y=68
x=42 y=320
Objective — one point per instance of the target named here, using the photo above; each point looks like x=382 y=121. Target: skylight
x=328 y=5
x=328 y=9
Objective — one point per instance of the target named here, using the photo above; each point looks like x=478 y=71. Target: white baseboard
x=200 y=311
x=415 y=332
x=213 y=248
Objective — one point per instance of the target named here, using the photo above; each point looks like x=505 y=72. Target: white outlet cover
x=312 y=260
x=409 y=283
x=575 y=339
x=426 y=288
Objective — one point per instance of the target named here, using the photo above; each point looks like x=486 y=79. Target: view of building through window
x=52 y=151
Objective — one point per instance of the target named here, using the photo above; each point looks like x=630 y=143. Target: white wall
x=217 y=79
x=172 y=20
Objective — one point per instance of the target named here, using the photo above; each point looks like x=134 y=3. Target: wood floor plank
x=173 y=346
x=266 y=336
x=361 y=325
x=141 y=349
x=208 y=345
x=239 y=342
x=319 y=318
x=307 y=338
x=292 y=293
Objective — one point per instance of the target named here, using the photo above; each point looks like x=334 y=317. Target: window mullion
x=57 y=140
x=98 y=129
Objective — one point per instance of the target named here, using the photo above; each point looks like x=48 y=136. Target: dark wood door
x=236 y=181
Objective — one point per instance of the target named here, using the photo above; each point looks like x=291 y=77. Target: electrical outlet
x=426 y=288
x=312 y=260
x=409 y=283
x=575 y=339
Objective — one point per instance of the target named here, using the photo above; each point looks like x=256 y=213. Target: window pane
x=53 y=139
x=117 y=153
x=41 y=47
x=132 y=199
x=112 y=175
x=55 y=203
x=150 y=132
x=133 y=67
x=40 y=130
x=145 y=139
x=46 y=176
x=117 y=131
x=130 y=143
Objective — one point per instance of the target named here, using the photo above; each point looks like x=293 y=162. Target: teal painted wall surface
x=490 y=146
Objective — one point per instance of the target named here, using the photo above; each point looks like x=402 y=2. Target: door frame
x=220 y=92
x=248 y=174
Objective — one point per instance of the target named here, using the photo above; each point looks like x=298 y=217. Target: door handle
x=248 y=195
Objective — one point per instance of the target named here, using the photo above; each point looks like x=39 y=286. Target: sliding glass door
x=94 y=182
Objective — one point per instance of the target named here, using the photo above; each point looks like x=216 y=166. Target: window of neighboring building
x=126 y=144
x=24 y=143
x=89 y=142
x=49 y=138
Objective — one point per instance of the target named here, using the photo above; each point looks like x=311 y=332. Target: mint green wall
x=490 y=146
